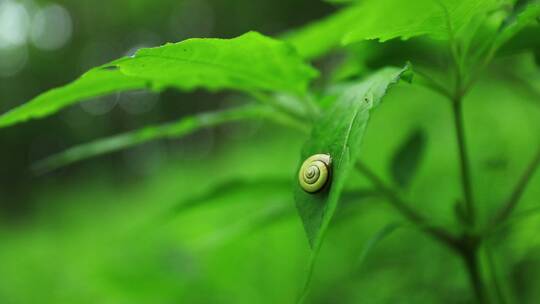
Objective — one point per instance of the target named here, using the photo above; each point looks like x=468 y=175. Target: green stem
x=429 y=82
x=466 y=184
x=403 y=207
x=494 y=275
x=516 y=195
x=470 y=258
x=265 y=99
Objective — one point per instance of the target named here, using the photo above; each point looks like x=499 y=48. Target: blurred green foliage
x=210 y=218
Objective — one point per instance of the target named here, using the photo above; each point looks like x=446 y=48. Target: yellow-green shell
x=315 y=172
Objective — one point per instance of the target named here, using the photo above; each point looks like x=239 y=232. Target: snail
x=315 y=173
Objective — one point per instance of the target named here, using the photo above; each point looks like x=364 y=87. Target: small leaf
x=251 y=62
x=406 y=160
x=339 y=133
x=176 y=129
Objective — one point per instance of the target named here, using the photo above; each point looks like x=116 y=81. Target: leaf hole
x=110 y=68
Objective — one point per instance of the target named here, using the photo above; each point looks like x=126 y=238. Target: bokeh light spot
x=51 y=27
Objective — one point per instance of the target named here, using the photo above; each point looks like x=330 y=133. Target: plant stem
x=494 y=274
x=515 y=197
x=430 y=83
x=470 y=258
x=469 y=244
x=402 y=207
x=463 y=157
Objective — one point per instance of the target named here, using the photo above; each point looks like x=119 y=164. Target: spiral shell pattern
x=315 y=172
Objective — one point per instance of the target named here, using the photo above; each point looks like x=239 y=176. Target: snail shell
x=315 y=173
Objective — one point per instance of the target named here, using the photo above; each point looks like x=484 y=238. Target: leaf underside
x=384 y=20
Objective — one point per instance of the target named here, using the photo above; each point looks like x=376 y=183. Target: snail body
x=315 y=173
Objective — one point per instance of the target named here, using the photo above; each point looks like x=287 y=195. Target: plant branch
x=265 y=99
x=402 y=207
x=430 y=83
x=494 y=274
x=457 y=109
x=466 y=183
x=516 y=195
x=470 y=258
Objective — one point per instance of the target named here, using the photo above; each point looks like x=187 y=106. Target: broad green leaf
x=320 y=37
x=388 y=19
x=251 y=62
x=384 y=20
x=407 y=158
x=176 y=129
x=339 y=133
x=96 y=82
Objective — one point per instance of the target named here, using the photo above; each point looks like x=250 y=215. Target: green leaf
x=516 y=23
x=96 y=82
x=407 y=158
x=251 y=62
x=388 y=19
x=384 y=20
x=176 y=129
x=339 y=133
x=320 y=37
